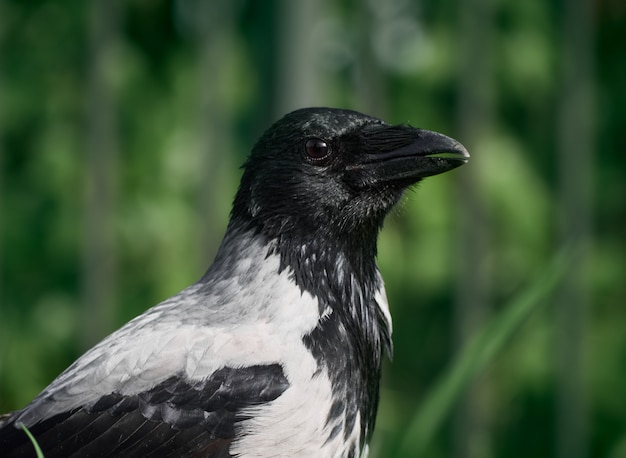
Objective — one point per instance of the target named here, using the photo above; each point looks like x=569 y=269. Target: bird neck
x=351 y=338
x=353 y=330
x=329 y=263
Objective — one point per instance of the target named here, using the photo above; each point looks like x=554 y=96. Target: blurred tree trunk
x=99 y=263
x=472 y=421
x=371 y=94
x=300 y=75
x=2 y=223
x=575 y=144
x=215 y=37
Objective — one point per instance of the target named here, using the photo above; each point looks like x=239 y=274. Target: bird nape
x=277 y=349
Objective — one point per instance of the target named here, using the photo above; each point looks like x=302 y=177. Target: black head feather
x=329 y=172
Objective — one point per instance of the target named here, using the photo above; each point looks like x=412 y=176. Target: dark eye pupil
x=317 y=148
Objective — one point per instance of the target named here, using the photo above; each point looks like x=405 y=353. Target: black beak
x=404 y=155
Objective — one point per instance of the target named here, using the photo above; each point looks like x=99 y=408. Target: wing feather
x=177 y=417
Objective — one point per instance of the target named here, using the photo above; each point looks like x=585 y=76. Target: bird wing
x=177 y=417
x=157 y=387
x=179 y=378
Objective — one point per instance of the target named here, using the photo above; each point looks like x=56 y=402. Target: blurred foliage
x=481 y=350
x=177 y=117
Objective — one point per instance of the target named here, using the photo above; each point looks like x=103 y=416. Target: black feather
x=175 y=417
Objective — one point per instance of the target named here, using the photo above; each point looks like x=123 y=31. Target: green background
x=123 y=125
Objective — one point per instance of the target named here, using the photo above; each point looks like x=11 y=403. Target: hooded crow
x=276 y=350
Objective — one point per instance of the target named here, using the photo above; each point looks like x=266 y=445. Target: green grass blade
x=476 y=355
x=33 y=440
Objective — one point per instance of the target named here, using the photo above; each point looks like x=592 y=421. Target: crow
x=277 y=349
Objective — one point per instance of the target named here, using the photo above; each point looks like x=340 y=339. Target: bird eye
x=317 y=149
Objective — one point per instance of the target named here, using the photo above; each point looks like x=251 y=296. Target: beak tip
x=463 y=151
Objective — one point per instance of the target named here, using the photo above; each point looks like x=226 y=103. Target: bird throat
x=339 y=270
x=353 y=332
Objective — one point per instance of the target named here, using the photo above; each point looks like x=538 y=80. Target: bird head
x=336 y=172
